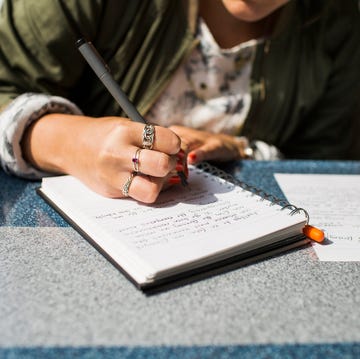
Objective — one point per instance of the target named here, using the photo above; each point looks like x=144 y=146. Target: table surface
x=60 y=297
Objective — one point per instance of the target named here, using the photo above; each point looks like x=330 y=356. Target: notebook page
x=333 y=202
x=186 y=223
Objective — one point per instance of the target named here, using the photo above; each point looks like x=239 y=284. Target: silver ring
x=127 y=184
x=148 y=136
x=136 y=160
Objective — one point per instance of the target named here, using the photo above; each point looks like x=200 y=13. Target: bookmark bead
x=314 y=233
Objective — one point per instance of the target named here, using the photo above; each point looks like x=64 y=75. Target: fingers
x=146 y=188
x=150 y=162
x=217 y=148
x=154 y=162
x=154 y=171
x=130 y=159
x=163 y=140
x=206 y=152
x=138 y=173
x=140 y=187
x=195 y=157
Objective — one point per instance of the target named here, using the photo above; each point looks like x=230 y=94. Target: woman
x=214 y=75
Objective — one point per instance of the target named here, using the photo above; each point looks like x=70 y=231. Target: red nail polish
x=174 y=180
x=192 y=156
x=179 y=167
x=180 y=154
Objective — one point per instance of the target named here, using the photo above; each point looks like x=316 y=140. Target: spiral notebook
x=214 y=224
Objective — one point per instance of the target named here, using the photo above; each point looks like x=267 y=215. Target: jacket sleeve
x=37 y=45
x=325 y=129
x=39 y=66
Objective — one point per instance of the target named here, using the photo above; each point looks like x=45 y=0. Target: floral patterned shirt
x=211 y=90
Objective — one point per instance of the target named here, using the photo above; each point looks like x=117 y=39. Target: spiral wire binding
x=207 y=167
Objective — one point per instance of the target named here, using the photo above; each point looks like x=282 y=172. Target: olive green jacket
x=304 y=85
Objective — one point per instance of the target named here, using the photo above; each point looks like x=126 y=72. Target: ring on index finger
x=148 y=136
x=136 y=160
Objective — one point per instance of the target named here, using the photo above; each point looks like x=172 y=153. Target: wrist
x=40 y=145
x=15 y=122
x=258 y=150
x=246 y=151
x=51 y=143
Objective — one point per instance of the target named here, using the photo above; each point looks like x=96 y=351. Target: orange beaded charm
x=314 y=233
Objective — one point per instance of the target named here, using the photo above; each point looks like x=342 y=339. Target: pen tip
x=183 y=179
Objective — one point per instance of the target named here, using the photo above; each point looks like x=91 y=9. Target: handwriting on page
x=339 y=214
x=199 y=212
x=179 y=226
x=333 y=202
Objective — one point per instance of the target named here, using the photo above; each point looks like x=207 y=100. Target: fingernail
x=192 y=156
x=179 y=167
x=174 y=180
x=180 y=154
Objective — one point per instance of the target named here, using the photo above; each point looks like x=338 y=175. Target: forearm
x=16 y=118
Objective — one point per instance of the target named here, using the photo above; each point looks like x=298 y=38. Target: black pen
x=102 y=70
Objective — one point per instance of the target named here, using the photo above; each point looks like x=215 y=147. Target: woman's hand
x=207 y=146
x=100 y=152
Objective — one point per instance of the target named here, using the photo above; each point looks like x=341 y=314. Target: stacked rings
x=148 y=136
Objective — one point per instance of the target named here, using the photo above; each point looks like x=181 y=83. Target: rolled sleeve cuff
x=266 y=152
x=260 y=150
x=15 y=119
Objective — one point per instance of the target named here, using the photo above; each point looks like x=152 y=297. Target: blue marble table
x=60 y=298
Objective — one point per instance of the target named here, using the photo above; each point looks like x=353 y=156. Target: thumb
x=195 y=156
x=218 y=149
x=207 y=152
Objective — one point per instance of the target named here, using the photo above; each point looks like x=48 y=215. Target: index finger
x=157 y=138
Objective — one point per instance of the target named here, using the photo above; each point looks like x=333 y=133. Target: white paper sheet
x=333 y=203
